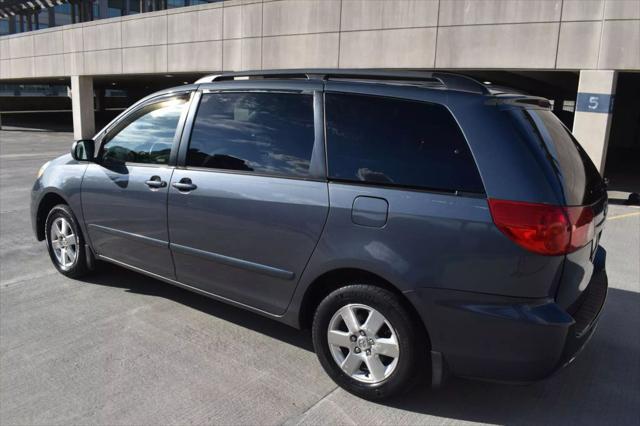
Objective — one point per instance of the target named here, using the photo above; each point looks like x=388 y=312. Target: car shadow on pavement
x=601 y=386
x=114 y=276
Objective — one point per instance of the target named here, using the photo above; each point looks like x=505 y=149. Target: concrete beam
x=594 y=107
x=254 y=34
x=82 y=106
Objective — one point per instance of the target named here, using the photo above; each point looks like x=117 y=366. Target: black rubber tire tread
x=80 y=268
x=414 y=363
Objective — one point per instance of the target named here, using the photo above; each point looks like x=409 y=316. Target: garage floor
x=122 y=348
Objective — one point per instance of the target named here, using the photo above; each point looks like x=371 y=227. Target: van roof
x=430 y=79
x=419 y=79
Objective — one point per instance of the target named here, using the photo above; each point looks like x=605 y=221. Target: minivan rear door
x=248 y=203
x=581 y=186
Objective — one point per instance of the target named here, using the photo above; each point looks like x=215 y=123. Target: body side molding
x=129 y=235
x=235 y=262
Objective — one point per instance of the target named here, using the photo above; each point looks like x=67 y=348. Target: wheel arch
x=334 y=279
x=48 y=201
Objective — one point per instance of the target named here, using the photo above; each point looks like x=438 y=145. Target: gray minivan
x=421 y=224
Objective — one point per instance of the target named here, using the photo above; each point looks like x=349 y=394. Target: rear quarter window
x=394 y=142
x=579 y=178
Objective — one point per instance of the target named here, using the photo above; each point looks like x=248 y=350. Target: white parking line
x=41 y=154
x=622 y=216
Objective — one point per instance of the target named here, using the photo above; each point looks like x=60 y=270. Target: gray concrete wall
x=255 y=34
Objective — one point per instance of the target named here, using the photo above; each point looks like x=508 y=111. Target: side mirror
x=83 y=150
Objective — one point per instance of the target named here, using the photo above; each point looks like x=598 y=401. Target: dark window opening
x=265 y=133
x=579 y=177
x=397 y=142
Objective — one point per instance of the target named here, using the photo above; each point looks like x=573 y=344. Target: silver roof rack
x=433 y=78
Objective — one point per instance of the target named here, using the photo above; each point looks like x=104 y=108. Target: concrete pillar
x=82 y=106
x=594 y=108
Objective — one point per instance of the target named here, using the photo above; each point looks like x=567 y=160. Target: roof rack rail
x=446 y=79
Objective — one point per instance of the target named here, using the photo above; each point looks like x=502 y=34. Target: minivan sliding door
x=248 y=207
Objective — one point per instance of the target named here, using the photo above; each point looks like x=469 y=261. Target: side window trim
x=454 y=192
x=246 y=173
x=180 y=130
x=317 y=167
x=185 y=137
x=115 y=127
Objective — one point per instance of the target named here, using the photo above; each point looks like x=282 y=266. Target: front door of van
x=124 y=195
x=248 y=206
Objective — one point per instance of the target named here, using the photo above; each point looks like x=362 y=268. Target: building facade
x=542 y=43
x=21 y=16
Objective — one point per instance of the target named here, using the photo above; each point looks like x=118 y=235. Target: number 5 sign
x=594 y=102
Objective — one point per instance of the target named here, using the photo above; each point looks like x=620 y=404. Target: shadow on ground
x=114 y=276
x=597 y=388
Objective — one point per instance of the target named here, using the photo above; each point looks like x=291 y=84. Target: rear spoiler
x=521 y=101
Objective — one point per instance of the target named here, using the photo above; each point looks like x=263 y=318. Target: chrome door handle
x=184 y=185
x=156 y=182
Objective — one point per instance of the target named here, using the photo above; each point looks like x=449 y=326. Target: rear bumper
x=586 y=314
x=508 y=339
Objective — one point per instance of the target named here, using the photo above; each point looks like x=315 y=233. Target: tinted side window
x=397 y=142
x=581 y=180
x=147 y=135
x=267 y=133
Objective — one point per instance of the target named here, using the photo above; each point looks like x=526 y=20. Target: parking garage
x=47 y=104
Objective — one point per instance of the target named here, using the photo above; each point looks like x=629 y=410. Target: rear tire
x=65 y=242
x=379 y=351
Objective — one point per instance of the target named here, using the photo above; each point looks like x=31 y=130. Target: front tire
x=65 y=242
x=368 y=342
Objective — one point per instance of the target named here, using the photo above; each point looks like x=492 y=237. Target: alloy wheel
x=64 y=243
x=363 y=343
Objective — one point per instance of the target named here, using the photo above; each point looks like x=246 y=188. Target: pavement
x=120 y=348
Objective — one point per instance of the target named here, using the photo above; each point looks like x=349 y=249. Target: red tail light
x=583 y=226
x=542 y=228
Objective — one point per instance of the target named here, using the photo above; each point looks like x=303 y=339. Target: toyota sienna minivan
x=420 y=224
